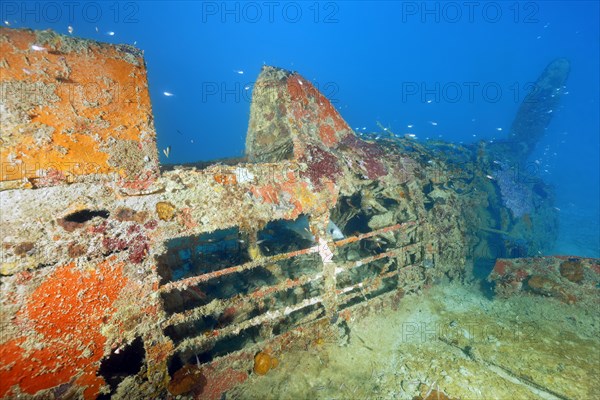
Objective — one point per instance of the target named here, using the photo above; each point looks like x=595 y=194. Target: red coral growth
x=500 y=267
x=137 y=245
x=140 y=183
x=66 y=312
x=139 y=248
x=308 y=104
x=370 y=154
x=113 y=244
x=152 y=224
x=299 y=89
x=218 y=382
x=23 y=277
x=52 y=177
x=100 y=228
x=131 y=229
x=322 y=166
x=327 y=135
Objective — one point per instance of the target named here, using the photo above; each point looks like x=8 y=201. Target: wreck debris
x=197 y=263
x=568 y=279
x=535 y=113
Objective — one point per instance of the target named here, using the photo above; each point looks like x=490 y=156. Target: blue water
x=400 y=63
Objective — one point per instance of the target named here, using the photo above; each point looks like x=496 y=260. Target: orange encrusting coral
x=65 y=313
x=82 y=99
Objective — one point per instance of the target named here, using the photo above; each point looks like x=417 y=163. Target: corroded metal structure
x=119 y=278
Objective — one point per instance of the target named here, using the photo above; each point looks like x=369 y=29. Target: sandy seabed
x=449 y=341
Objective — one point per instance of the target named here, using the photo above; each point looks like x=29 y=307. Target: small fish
x=134 y=42
x=35 y=47
x=410 y=136
x=96 y=29
x=70 y=29
x=409 y=126
x=247 y=87
x=167 y=151
x=238 y=71
x=6 y=23
x=110 y=33
x=490 y=177
x=300 y=82
x=28 y=72
x=433 y=123
x=429 y=101
x=168 y=94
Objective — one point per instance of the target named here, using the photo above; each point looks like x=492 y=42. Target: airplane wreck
x=121 y=278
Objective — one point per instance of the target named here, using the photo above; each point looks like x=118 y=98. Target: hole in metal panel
x=196 y=255
x=86 y=215
x=284 y=236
